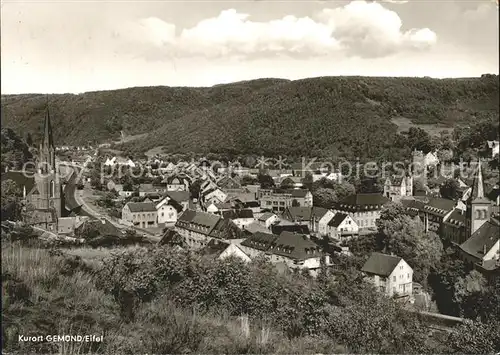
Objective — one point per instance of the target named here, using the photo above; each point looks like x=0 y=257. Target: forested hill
x=317 y=116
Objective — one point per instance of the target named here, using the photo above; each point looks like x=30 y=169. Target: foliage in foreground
x=158 y=300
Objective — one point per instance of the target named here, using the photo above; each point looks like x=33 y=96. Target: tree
x=450 y=189
x=29 y=140
x=420 y=140
x=324 y=197
x=475 y=338
x=467 y=291
x=405 y=236
x=295 y=203
x=265 y=181
x=248 y=180
x=11 y=201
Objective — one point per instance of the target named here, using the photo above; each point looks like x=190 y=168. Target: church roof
x=48 y=139
x=477 y=194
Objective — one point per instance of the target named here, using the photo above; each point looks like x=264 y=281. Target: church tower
x=478 y=206
x=47 y=177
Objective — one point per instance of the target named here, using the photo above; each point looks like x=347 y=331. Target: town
x=301 y=217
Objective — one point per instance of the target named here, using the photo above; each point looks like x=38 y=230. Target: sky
x=78 y=46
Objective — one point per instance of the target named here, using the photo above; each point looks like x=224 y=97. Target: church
x=42 y=189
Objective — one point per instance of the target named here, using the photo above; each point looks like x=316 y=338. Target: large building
x=278 y=200
x=363 y=208
x=42 y=189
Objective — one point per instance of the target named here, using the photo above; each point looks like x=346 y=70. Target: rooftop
x=381 y=264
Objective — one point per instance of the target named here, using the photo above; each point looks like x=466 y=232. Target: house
x=481 y=250
x=178 y=182
x=435 y=211
x=67 y=225
x=141 y=214
x=494 y=147
x=198 y=228
x=297 y=251
x=453 y=227
x=228 y=182
x=147 y=190
x=310 y=216
x=342 y=227
x=389 y=274
x=181 y=197
x=167 y=211
x=278 y=200
x=221 y=250
x=97 y=228
x=363 y=208
x=287 y=226
x=214 y=196
x=241 y=218
x=396 y=187
x=255 y=227
x=219 y=207
x=267 y=219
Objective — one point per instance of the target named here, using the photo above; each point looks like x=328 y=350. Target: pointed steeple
x=478 y=187
x=48 y=140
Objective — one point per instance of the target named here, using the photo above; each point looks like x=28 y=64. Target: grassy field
x=404 y=124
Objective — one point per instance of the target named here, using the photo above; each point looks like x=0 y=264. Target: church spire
x=478 y=187
x=48 y=140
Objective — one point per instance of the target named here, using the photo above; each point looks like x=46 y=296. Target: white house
x=295 y=250
x=322 y=224
x=240 y=217
x=215 y=196
x=341 y=227
x=389 y=274
x=221 y=250
x=168 y=211
x=267 y=219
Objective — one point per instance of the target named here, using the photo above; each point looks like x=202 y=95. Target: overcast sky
x=77 y=46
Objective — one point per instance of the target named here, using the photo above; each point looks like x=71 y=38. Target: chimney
x=484 y=249
x=6 y=168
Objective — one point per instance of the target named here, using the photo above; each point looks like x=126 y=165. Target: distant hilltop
x=264 y=116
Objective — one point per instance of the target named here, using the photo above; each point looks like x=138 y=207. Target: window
x=408 y=276
x=52 y=188
x=394 y=278
x=162 y=214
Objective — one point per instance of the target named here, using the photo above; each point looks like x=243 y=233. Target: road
x=75 y=203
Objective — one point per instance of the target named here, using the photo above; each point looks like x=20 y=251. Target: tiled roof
x=141 y=207
x=337 y=219
x=103 y=227
x=318 y=212
x=439 y=206
x=204 y=219
x=396 y=180
x=179 y=196
x=235 y=214
x=266 y=216
x=214 y=247
x=260 y=241
x=279 y=228
x=484 y=238
x=294 y=246
x=381 y=264
x=456 y=218
x=226 y=229
x=364 y=202
x=255 y=227
x=297 y=213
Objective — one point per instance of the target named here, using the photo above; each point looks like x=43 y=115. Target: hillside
x=318 y=116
